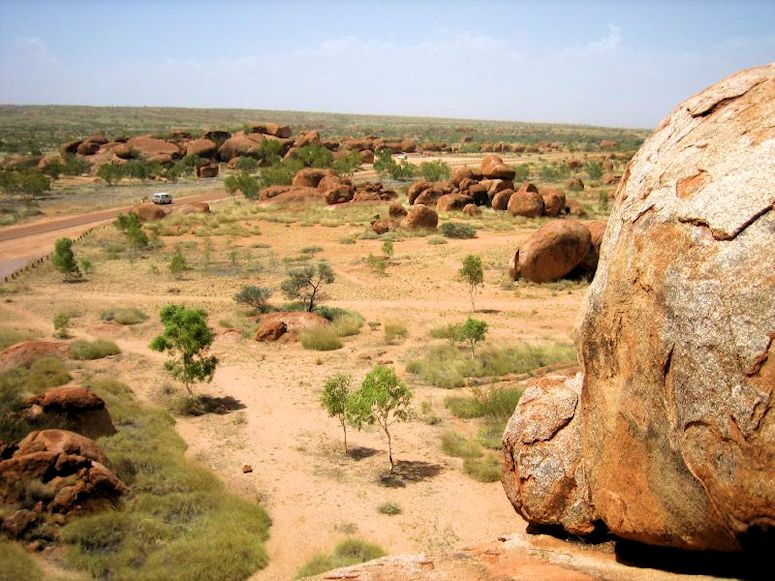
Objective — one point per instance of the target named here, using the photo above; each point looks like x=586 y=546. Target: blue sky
x=625 y=63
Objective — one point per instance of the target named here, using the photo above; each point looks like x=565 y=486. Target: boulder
x=282 y=131
x=575 y=185
x=382 y=226
x=610 y=179
x=307 y=138
x=271 y=330
x=588 y=265
x=241 y=145
x=494 y=168
x=543 y=467
x=272 y=326
x=310 y=177
x=295 y=195
x=329 y=182
x=26 y=353
x=526 y=202
x=500 y=201
x=554 y=201
x=553 y=250
x=208 y=171
x=367 y=156
x=465 y=173
x=677 y=331
x=472 y=210
x=202 y=147
x=451 y=202
x=340 y=194
x=88 y=148
x=149 y=147
x=76 y=409
x=194 y=208
x=397 y=211
x=272 y=191
x=69 y=147
x=608 y=144
x=217 y=136
x=19 y=522
x=574 y=208
x=415 y=189
x=149 y=212
x=429 y=197
x=421 y=218
x=61 y=442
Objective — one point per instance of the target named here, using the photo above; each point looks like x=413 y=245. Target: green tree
x=472 y=274
x=64 y=259
x=178 y=264
x=594 y=170
x=246 y=164
x=271 y=151
x=385 y=165
x=334 y=398
x=111 y=173
x=28 y=182
x=61 y=326
x=434 y=171
x=387 y=248
x=132 y=228
x=383 y=399
x=243 y=182
x=186 y=338
x=347 y=164
x=305 y=283
x=254 y=296
x=315 y=155
x=522 y=173
x=473 y=331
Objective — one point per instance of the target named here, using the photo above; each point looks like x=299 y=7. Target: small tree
x=472 y=274
x=434 y=171
x=387 y=248
x=132 y=228
x=334 y=397
x=254 y=296
x=383 y=399
x=111 y=173
x=243 y=182
x=187 y=338
x=178 y=264
x=472 y=332
x=61 y=326
x=305 y=283
x=64 y=259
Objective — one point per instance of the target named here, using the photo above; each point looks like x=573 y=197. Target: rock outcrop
x=75 y=408
x=677 y=334
x=553 y=251
x=421 y=218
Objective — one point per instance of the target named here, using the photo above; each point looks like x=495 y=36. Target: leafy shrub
x=349 y=552
x=11 y=336
x=458 y=230
x=434 y=171
x=394 y=331
x=242 y=182
x=321 y=338
x=254 y=296
x=594 y=170
x=97 y=349
x=124 y=315
x=435 y=240
x=522 y=173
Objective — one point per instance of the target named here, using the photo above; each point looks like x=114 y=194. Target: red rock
x=310 y=177
x=247 y=469
x=494 y=168
x=194 y=208
x=608 y=144
x=574 y=208
x=88 y=148
x=421 y=218
x=339 y=195
x=429 y=197
x=526 y=202
x=148 y=147
x=308 y=138
x=415 y=189
x=472 y=210
x=553 y=250
x=382 y=226
x=500 y=201
x=207 y=171
x=216 y=136
x=241 y=145
x=16 y=524
x=610 y=179
x=272 y=191
x=297 y=195
x=588 y=265
x=61 y=442
x=69 y=147
x=271 y=331
x=331 y=181
x=554 y=201
x=149 y=212
x=272 y=326
x=202 y=147
x=451 y=202
x=408 y=145
x=272 y=129
x=26 y=353
x=575 y=185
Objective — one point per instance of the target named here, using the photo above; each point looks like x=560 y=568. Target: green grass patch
x=178 y=521
x=311 y=249
x=458 y=230
x=348 y=324
x=435 y=240
x=394 y=332
x=11 y=336
x=485 y=469
x=389 y=508
x=454 y=444
x=349 y=552
x=124 y=316
x=496 y=403
x=320 y=338
x=448 y=366
x=97 y=349
x=16 y=563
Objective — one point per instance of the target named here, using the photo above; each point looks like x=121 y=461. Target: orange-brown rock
x=553 y=251
x=494 y=168
x=574 y=208
x=554 y=201
x=272 y=191
x=429 y=197
x=88 y=148
x=194 y=208
x=367 y=156
x=61 y=442
x=310 y=177
x=307 y=138
x=70 y=147
x=465 y=173
x=241 y=145
x=452 y=202
x=76 y=409
x=575 y=185
x=149 y=212
x=382 y=226
x=272 y=129
x=677 y=332
x=397 y=211
x=26 y=353
x=149 y=147
x=500 y=201
x=408 y=145
x=339 y=194
x=526 y=202
x=202 y=147
x=295 y=195
x=420 y=218
x=272 y=326
x=547 y=425
x=472 y=210
x=608 y=144
x=331 y=181
x=610 y=179
x=588 y=266
x=415 y=189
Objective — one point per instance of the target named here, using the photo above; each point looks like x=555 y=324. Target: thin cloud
x=609 y=42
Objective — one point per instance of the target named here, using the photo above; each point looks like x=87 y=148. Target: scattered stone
x=526 y=202
x=421 y=218
x=247 y=469
x=553 y=250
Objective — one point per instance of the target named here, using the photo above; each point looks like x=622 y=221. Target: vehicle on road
x=162 y=198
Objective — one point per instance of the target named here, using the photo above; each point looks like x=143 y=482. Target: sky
x=623 y=64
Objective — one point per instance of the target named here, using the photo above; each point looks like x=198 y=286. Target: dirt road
x=21 y=245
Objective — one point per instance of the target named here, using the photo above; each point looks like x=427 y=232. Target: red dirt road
x=21 y=245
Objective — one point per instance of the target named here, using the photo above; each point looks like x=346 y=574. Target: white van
x=162 y=198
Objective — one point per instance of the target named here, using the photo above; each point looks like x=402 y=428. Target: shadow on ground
x=408 y=471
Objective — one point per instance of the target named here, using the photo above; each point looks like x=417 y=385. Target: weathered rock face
x=449 y=202
x=500 y=201
x=149 y=212
x=26 y=353
x=543 y=472
x=310 y=177
x=526 y=202
x=677 y=331
x=78 y=409
x=554 y=201
x=61 y=442
x=553 y=251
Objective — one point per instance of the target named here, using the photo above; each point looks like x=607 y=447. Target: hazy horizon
x=582 y=63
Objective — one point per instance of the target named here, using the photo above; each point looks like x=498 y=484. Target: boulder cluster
x=667 y=437
x=491 y=185
x=326 y=186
